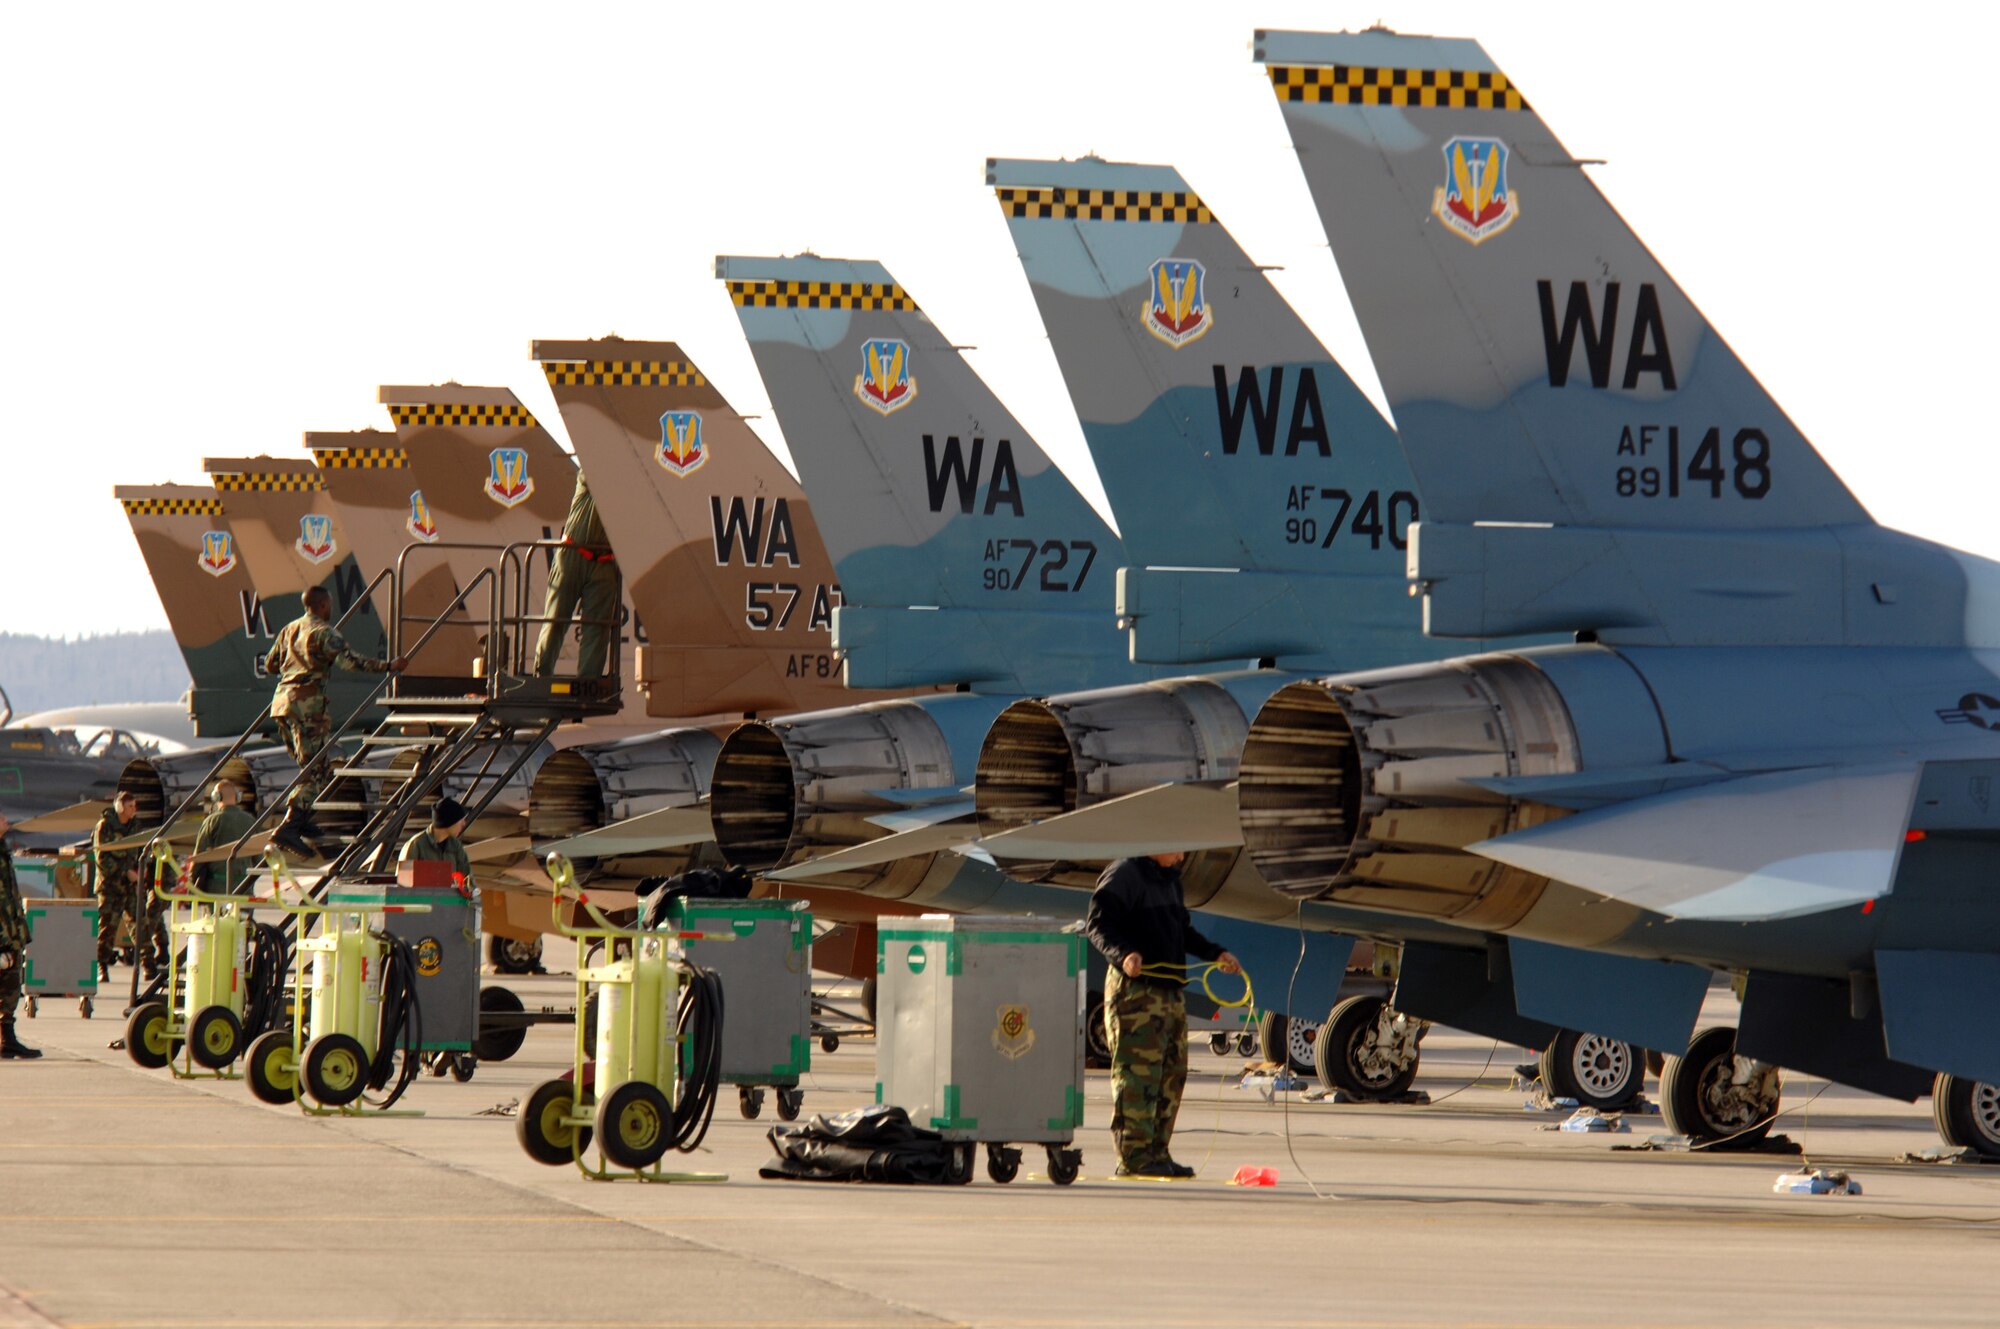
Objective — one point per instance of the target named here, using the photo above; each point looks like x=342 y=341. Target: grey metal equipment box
x=766 y=975
x=445 y=943
x=979 y=1026
x=62 y=958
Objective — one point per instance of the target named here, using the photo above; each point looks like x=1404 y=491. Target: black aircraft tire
x=1598 y=1072
x=1968 y=1114
x=498 y=1042
x=1683 y=1100
x=1337 y=1052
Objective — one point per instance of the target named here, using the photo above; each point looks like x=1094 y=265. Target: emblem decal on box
x=1012 y=1037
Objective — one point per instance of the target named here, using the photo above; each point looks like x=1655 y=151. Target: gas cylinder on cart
x=636 y=1038
x=347 y=985
x=216 y=958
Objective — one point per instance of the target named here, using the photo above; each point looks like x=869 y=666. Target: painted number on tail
x=1318 y=516
x=1044 y=565
x=755 y=535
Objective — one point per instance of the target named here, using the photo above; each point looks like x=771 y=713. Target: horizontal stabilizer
x=1580 y=790
x=1759 y=847
x=1168 y=818
x=499 y=847
x=666 y=828
x=253 y=848
x=927 y=839
x=76 y=817
x=924 y=814
x=182 y=830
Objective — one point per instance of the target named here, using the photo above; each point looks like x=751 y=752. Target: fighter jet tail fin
x=932 y=496
x=1541 y=363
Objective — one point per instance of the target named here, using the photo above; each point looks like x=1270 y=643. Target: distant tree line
x=42 y=673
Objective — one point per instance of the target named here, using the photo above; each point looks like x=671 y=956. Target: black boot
x=290 y=835
x=12 y=1048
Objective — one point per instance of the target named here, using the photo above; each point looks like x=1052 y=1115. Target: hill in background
x=41 y=673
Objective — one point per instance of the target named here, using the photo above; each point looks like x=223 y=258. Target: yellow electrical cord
x=1206 y=971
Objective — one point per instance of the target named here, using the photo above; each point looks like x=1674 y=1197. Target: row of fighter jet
x=1718 y=721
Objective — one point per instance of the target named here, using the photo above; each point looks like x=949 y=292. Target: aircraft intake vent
x=1364 y=788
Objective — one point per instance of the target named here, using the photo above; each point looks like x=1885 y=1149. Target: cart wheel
x=789 y=1103
x=544 y=1128
x=750 y=1102
x=498 y=1042
x=335 y=1070
x=1002 y=1164
x=34 y=1007
x=215 y=1036
x=958 y=1163
x=634 y=1124
x=1218 y=1042
x=463 y=1064
x=271 y=1068
x=829 y=1042
x=146 y=1036
x=84 y=1007
x=1246 y=1043
x=1064 y=1164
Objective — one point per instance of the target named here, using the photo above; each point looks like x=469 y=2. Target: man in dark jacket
x=1140 y=922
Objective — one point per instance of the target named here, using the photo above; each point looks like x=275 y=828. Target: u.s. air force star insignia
x=1012 y=1037
x=1974 y=708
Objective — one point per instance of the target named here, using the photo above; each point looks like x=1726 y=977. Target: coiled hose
x=264 y=980
x=402 y=1026
x=699 y=1028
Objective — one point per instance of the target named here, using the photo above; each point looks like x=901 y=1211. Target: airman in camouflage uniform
x=306 y=651
x=122 y=889
x=582 y=571
x=1140 y=922
x=13 y=951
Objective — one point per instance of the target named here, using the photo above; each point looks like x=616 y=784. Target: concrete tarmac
x=130 y=1200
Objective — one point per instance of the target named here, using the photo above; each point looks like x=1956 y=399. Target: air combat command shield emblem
x=218 y=553
x=315 y=542
x=420 y=523
x=1176 y=310
x=1474 y=202
x=507 y=481
x=681 y=447
x=885 y=383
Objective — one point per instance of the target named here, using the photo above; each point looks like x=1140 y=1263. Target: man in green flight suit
x=582 y=571
x=307 y=650
x=223 y=827
x=13 y=951
x=440 y=843
x=122 y=889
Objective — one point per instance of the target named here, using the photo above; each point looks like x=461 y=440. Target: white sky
x=227 y=224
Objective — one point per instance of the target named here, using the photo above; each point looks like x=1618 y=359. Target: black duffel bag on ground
x=869 y=1144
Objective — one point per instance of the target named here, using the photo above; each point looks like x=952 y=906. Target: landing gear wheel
x=634 y=1125
x=146 y=1036
x=789 y=1103
x=215 y=1036
x=1967 y=1113
x=543 y=1127
x=749 y=1102
x=1713 y=1096
x=463 y=1065
x=1096 y=1034
x=1598 y=1072
x=1288 y=1042
x=1246 y=1043
x=514 y=957
x=335 y=1070
x=958 y=1164
x=1002 y=1163
x=497 y=1042
x=1353 y=1056
x=271 y=1069
x=829 y=1042
x=1218 y=1042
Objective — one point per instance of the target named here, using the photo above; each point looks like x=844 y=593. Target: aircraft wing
x=500 y=846
x=182 y=830
x=1167 y=818
x=664 y=828
x=76 y=817
x=924 y=839
x=1757 y=847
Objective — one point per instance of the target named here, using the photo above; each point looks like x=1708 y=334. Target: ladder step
x=433 y=719
x=404 y=740
x=324 y=805
x=375 y=772
x=393 y=702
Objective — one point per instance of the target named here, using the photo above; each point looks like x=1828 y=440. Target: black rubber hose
x=699 y=1028
x=402 y=1028
x=264 y=982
